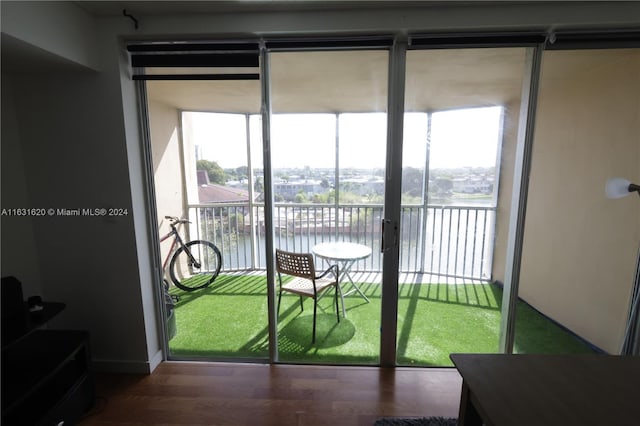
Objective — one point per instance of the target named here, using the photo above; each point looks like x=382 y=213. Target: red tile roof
x=213 y=193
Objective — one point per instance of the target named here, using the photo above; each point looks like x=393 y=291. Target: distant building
x=473 y=185
x=365 y=185
x=209 y=193
x=288 y=190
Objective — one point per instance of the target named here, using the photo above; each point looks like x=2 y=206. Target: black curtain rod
x=174 y=77
x=552 y=39
x=620 y=38
x=461 y=40
x=196 y=60
x=331 y=43
x=177 y=47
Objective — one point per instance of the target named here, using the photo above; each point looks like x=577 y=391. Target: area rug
x=416 y=421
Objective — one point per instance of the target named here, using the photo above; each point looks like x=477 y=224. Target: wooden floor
x=284 y=395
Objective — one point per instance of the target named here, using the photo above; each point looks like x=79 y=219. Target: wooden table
x=548 y=390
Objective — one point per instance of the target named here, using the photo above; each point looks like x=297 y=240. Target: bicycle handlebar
x=176 y=219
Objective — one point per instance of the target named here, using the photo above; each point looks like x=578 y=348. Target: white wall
x=60 y=28
x=144 y=226
x=580 y=247
x=167 y=171
x=19 y=252
x=75 y=157
x=78 y=152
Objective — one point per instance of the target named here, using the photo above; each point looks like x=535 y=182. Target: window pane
x=202 y=174
x=303 y=156
x=328 y=137
x=363 y=144
x=457 y=103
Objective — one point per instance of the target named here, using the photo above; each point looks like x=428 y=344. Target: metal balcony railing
x=446 y=240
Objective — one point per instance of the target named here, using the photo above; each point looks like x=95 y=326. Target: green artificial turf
x=229 y=320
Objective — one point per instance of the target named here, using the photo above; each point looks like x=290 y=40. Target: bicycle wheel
x=195 y=265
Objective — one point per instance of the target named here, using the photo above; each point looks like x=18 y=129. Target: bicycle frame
x=173 y=246
x=177 y=240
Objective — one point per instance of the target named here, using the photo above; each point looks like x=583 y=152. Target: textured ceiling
x=357 y=82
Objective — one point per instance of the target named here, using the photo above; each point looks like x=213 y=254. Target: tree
x=442 y=186
x=258 y=185
x=412 y=181
x=242 y=173
x=301 y=197
x=214 y=171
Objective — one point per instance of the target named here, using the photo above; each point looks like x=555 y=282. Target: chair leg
x=301 y=304
x=279 y=297
x=335 y=295
x=315 y=307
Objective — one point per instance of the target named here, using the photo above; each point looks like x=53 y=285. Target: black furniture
x=46 y=379
x=550 y=390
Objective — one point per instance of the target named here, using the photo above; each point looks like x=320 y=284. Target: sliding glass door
x=328 y=144
x=207 y=168
x=461 y=120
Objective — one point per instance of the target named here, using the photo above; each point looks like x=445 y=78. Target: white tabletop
x=342 y=251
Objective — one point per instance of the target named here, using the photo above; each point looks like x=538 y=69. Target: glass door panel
x=361 y=172
x=580 y=248
x=206 y=170
x=461 y=120
x=328 y=150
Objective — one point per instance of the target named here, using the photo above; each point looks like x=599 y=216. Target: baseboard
x=127 y=367
x=156 y=360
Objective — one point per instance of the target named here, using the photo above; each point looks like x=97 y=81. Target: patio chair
x=305 y=282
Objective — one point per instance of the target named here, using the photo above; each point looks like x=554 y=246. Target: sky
x=459 y=138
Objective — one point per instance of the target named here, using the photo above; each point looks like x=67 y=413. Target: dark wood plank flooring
x=284 y=395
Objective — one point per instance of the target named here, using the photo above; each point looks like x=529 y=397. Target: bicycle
x=194 y=264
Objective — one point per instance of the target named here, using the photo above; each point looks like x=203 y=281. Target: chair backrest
x=296 y=264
